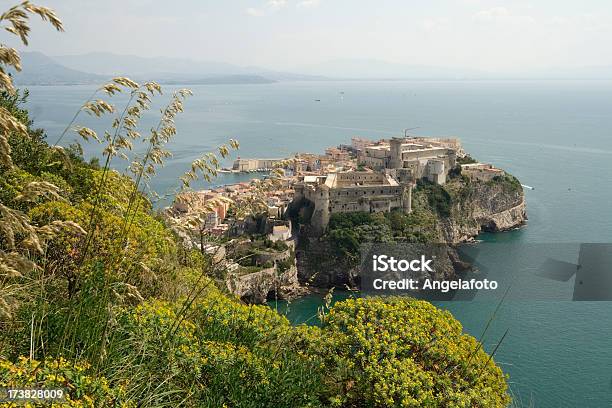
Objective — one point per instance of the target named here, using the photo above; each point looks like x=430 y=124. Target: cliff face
x=483 y=207
x=256 y=288
x=319 y=266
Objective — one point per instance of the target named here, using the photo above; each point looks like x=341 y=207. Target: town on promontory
x=298 y=224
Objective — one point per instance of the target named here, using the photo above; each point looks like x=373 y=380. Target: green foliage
x=400 y=352
x=455 y=172
x=11 y=185
x=437 y=197
x=349 y=220
x=30 y=154
x=147 y=239
x=223 y=354
x=508 y=182
x=82 y=389
x=347 y=231
x=467 y=159
x=284 y=264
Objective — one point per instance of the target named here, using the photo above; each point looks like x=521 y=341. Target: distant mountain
x=377 y=69
x=38 y=69
x=588 y=72
x=114 y=64
x=217 y=80
x=168 y=69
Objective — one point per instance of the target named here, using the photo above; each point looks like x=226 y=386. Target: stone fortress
x=351 y=191
x=393 y=168
x=415 y=158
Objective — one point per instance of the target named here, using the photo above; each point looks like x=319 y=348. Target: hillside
x=39 y=69
x=167 y=69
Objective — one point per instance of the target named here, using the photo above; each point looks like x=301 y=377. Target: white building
x=280 y=233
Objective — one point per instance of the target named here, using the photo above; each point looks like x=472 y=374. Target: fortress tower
x=395 y=158
x=407 y=199
x=320 y=217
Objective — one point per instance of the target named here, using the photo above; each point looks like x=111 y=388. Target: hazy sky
x=288 y=34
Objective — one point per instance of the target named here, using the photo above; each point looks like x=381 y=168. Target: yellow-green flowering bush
x=401 y=352
x=82 y=390
x=147 y=238
x=221 y=352
x=222 y=318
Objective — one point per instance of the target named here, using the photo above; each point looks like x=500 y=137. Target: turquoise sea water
x=553 y=135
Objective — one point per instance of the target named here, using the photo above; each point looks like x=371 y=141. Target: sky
x=292 y=34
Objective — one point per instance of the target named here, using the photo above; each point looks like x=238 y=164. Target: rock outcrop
x=483 y=207
x=257 y=287
x=319 y=266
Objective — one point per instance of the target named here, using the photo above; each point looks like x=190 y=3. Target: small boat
x=317 y=100
x=528 y=187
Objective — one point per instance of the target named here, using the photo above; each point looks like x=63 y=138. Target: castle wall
x=359 y=177
x=352 y=192
x=424 y=153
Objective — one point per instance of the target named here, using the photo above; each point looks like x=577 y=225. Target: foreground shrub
x=220 y=353
x=401 y=352
x=81 y=389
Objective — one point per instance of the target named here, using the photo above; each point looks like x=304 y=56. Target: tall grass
x=91 y=299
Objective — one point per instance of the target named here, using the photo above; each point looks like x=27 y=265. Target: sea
x=555 y=136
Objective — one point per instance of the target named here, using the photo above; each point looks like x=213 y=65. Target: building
x=204 y=203
x=280 y=233
x=211 y=220
x=360 y=144
x=351 y=191
x=425 y=158
x=481 y=171
x=337 y=154
x=246 y=165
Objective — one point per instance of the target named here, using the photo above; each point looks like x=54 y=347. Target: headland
x=302 y=225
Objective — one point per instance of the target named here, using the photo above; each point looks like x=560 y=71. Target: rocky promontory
x=453 y=213
x=492 y=206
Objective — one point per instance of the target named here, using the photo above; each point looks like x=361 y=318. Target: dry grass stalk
x=17 y=237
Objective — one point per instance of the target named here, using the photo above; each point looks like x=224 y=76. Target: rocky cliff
x=256 y=288
x=482 y=207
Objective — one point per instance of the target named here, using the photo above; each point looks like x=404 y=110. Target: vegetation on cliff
x=98 y=296
x=347 y=231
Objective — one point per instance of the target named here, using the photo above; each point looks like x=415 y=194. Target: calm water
x=555 y=136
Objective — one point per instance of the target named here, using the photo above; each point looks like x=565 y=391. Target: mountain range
x=40 y=69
